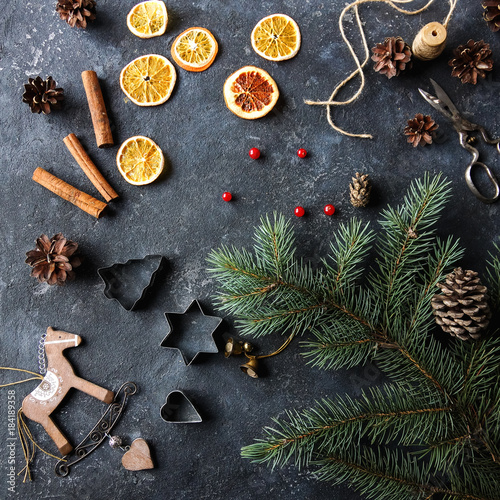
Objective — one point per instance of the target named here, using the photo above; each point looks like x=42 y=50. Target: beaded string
x=359 y=66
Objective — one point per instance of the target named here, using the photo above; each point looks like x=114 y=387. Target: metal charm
x=137 y=455
x=100 y=431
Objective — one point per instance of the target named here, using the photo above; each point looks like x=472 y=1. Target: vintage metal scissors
x=443 y=104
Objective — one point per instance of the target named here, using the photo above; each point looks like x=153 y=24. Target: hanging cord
x=37 y=376
x=282 y=348
x=28 y=443
x=359 y=65
x=29 y=446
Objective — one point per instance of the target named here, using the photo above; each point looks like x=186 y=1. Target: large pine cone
x=471 y=60
x=42 y=95
x=392 y=56
x=462 y=309
x=53 y=260
x=492 y=14
x=77 y=12
x=420 y=130
x=360 y=189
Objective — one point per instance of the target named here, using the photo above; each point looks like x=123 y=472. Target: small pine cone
x=360 y=189
x=462 y=308
x=392 y=56
x=53 y=260
x=420 y=130
x=471 y=60
x=492 y=14
x=77 y=12
x=42 y=95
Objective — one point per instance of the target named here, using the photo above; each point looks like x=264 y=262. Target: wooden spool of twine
x=429 y=42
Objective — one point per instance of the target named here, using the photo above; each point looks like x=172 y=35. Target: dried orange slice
x=276 y=37
x=140 y=160
x=148 y=80
x=250 y=92
x=148 y=19
x=194 y=49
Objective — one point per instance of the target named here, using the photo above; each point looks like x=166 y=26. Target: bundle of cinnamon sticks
x=104 y=138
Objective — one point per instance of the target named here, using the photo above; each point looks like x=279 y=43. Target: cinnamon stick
x=102 y=130
x=69 y=193
x=91 y=171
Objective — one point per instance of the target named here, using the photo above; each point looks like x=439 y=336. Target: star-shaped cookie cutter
x=181 y=327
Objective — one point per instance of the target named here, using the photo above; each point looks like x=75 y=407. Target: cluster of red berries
x=328 y=209
x=254 y=153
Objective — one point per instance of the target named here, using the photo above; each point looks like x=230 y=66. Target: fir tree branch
x=445 y=256
x=449 y=407
x=493 y=276
x=350 y=247
x=402 y=256
x=342 y=423
x=274 y=245
x=393 y=477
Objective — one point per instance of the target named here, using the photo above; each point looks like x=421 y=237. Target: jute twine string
x=360 y=65
x=27 y=440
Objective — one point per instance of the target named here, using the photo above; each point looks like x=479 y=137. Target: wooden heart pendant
x=138 y=457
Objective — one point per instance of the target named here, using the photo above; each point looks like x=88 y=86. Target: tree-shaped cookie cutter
x=130 y=294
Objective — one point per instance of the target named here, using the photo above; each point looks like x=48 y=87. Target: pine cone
x=53 y=260
x=462 y=309
x=492 y=14
x=471 y=60
x=360 y=189
x=392 y=56
x=77 y=12
x=420 y=130
x=42 y=95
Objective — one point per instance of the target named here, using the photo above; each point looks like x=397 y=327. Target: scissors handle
x=476 y=163
x=472 y=186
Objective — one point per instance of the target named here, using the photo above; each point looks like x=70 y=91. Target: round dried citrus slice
x=276 y=37
x=140 y=160
x=148 y=80
x=250 y=92
x=194 y=49
x=148 y=19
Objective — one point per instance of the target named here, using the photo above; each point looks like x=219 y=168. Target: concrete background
x=182 y=216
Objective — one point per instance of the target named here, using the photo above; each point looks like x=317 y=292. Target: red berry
x=299 y=211
x=227 y=196
x=329 y=209
x=301 y=153
x=254 y=153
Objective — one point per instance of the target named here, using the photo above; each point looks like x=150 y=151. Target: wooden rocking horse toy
x=59 y=379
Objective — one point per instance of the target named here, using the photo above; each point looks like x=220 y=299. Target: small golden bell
x=247 y=347
x=233 y=348
x=250 y=367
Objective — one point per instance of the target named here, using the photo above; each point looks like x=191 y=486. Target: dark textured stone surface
x=182 y=216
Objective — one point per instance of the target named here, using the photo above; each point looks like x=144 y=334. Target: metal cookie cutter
x=178 y=409
x=189 y=332
x=128 y=283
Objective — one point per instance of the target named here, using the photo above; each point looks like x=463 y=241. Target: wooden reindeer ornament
x=58 y=380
